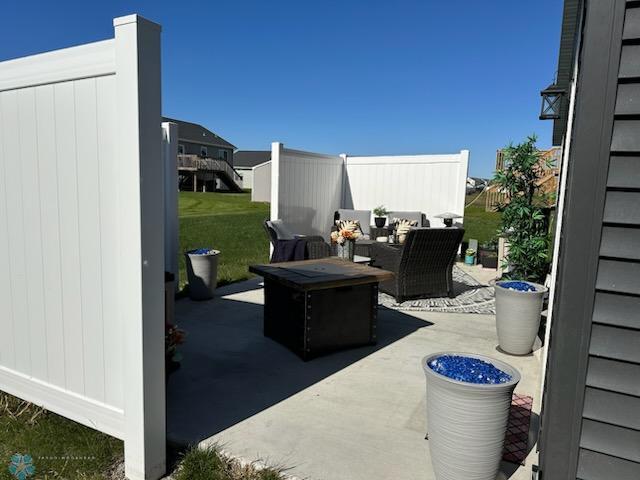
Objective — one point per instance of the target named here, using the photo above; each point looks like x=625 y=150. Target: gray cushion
x=363 y=217
x=416 y=216
x=282 y=231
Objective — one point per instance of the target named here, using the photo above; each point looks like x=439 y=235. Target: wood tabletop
x=320 y=274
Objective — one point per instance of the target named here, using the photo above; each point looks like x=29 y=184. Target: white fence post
x=171 y=222
x=139 y=138
x=462 y=182
x=276 y=151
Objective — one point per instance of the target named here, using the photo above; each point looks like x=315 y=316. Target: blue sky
x=354 y=76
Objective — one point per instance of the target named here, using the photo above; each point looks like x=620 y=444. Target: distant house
x=475 y=184
x=194 y=139
x=245 y=160
x=205 y=159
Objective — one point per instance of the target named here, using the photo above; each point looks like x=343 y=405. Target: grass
x=210 y=464
x=65 y=450
x=478 y=223
x=228 y=222
x=60 y=448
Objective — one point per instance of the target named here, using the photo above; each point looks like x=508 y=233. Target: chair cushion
x=363 y=217
x=415 y=216
x=282 y=231
x=404 y=225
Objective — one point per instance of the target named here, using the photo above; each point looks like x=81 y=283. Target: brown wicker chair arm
x=385 y=256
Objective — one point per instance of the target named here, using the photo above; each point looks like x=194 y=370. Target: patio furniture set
x=317 y=302
x=421 y=260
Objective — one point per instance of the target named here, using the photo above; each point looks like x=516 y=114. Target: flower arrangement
x=173 y=337
x=344 y=235
x=470 y=252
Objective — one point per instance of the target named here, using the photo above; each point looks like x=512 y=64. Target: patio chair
x=315 y=244
x=419 y=217
x=423 y=266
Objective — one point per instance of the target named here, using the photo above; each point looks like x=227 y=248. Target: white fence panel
x=171 y=221
x=431 y=184
x=306 y=189
x=81 y=237
x=261 y=187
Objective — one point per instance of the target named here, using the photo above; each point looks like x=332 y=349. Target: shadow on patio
x=231 y=372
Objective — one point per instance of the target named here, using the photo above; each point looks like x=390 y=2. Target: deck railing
x=194 y=162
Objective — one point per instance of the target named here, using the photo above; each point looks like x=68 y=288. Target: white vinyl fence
x=81 y=237
x=307 y=188
x=431 y=184
x=261 y=183
x=171 y=221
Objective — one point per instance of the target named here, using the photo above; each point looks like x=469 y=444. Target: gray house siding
x=591 y=407
x=212 y=151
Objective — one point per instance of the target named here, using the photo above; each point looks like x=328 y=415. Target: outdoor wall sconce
x=551 y=102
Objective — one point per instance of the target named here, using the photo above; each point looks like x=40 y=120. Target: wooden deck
x=205 y=170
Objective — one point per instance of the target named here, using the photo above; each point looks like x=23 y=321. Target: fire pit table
x=318 y=306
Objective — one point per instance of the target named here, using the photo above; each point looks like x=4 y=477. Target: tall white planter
x=467 y=422
x=202 y=274
x=518 y=317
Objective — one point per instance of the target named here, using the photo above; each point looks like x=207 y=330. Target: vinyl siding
x=610 y=435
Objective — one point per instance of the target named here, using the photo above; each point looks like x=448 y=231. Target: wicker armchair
x=423 y=265
x=316 y=246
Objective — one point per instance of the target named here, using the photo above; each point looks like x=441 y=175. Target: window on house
x=203 y=151
x=223 y=154
x=181 y=149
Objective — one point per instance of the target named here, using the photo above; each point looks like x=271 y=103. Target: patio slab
x=357 y=414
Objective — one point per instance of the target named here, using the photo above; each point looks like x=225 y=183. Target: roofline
x=571 y=18
x=190 y=140
x=176 y=120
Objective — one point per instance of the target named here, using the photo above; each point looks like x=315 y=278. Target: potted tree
x=520 y=296
x=380 y=218
x=468 y=402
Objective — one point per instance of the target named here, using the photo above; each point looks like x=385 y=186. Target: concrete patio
x=353 y=415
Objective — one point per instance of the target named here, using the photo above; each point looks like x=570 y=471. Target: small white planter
x=518 y=317
x=467 y=422
x=202 y=274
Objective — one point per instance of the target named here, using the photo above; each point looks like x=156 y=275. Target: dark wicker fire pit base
x=318 y=306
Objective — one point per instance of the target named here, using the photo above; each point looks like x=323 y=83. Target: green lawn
x=228 y=222
x=59 y=447
x=478 y=223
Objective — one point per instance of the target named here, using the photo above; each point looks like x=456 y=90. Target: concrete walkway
x=352 y=415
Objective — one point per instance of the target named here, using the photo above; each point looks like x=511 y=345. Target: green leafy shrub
x=524 y=219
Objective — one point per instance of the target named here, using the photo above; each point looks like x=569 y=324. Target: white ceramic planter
x=202 y=274
x=518 y=317
x=467 y=422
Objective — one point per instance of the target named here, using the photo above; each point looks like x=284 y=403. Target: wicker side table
x=376 y=232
